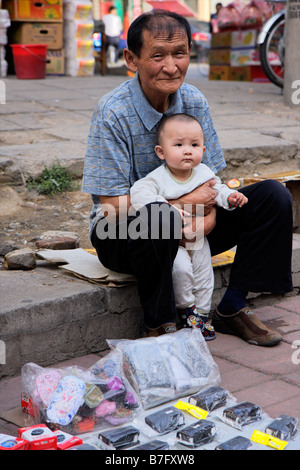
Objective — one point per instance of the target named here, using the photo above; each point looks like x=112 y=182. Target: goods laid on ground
x=145 y=394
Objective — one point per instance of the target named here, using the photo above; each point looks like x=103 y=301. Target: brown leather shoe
x=247 y=326
x=160 y=330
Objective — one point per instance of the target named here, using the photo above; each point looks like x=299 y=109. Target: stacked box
x=78 y=38
x=234 y=56
x=219 y=56
x=30 y=10
x=39 y=23
x=4 y=24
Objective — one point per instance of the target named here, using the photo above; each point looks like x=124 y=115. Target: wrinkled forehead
x=165 y=28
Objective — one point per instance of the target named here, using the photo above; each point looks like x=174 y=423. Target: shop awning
x=172 y=5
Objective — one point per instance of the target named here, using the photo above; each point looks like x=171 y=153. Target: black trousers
x=261 y=230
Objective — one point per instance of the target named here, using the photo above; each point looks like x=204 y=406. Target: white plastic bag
x=167 y=367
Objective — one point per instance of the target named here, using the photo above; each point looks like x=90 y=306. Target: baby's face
x=182 y=144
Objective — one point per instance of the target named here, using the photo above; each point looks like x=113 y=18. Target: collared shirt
x=122 y=138
x=113 y=25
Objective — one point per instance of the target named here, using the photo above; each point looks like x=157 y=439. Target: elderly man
x=121 y=150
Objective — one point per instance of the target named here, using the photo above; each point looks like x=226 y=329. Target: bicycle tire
x=270 y=72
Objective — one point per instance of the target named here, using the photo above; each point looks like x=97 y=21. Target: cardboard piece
x=85 y=265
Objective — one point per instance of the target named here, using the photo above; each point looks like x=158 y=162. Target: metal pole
x=291 y=89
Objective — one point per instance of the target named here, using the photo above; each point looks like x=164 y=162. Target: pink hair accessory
x=105 y=408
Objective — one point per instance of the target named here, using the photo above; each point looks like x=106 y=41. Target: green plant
x=53 y=180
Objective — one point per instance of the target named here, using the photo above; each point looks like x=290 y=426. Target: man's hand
x=204 y=194
x=197 y=227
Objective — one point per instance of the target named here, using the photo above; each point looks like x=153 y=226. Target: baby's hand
x=237 y=199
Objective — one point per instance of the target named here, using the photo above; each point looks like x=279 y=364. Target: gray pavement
x=62 y=318
x=43 y=120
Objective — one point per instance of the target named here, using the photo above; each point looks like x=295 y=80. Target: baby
x=180 y=143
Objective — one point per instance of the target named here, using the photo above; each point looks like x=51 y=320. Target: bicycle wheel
x=271 y=52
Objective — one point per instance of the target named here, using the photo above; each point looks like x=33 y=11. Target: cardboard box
x=244 y=56
x=38 y=33
x=219 y=72
x=247 y=73
x=241 y=74
x=219 y=56
x=55 y=62
x=221 y=39
x=244 y=38
x=32 y=10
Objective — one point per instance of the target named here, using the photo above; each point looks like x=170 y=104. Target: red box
x=39 y=436
x=27 y=404
x=12 y=443
x=65 y=440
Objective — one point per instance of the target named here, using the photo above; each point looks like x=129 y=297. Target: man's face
x=162 y=64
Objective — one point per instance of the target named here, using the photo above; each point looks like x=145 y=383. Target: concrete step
x=48 y=315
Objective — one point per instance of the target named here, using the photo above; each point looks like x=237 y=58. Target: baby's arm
x=227 y=198
x=143 y=192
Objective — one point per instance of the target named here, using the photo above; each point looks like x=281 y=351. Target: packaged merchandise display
x=166 y=420
x=75 y=400
x=66 y=400
x=101 y=408
x=242 y=414
x=284 y=427
x=197 y=434
x=40 y=437
x=236 y=443
x=167 y=367
x=210 y=398
x=65 y=440
x=156 y=444
x=120 y=438
x=8 y=442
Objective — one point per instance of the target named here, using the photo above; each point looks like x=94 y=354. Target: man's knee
x=280 y=195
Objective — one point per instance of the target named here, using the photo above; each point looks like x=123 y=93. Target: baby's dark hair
x=179 y=116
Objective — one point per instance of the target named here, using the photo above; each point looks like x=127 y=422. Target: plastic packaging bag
x=229 y=17
x=242 y=414
x=78 y=10
x=76 y=400
x=284 y=427
x=165 y=420
x=252 y=16
x=167 y=367
x=210 y=398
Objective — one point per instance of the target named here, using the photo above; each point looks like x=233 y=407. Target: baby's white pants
x=193 y=278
